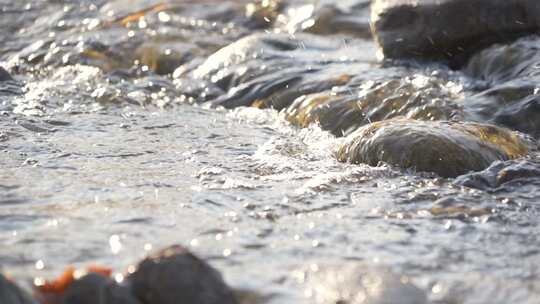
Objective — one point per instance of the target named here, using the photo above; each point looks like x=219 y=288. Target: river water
x=105 y=157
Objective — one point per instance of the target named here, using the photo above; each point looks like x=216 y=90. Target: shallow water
x=105 y=160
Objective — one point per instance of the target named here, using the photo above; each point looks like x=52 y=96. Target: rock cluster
x=172 y=275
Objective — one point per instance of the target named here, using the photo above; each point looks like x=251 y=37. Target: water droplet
x=40 y=265
x=115 y=244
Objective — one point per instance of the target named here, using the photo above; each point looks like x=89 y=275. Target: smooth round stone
x=447 y=148
x=174 y=275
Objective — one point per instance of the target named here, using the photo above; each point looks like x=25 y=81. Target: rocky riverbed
x=299 y=151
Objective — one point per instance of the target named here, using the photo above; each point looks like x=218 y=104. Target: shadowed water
x=109 y=151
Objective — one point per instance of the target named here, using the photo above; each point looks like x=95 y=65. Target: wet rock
x=303 y=85
x=355 y=283
x=174 y=274
x=511 y=74
x=12 y=294
x=4 y=75
x=229 y=66
x=345 y=109
x=505 y=62
x=129 y=11
x=330 y=20
x=263 y=13
x=447 y=148
x=449 y=28
x=501 y=173
x=164 y=58
x=122 y=32
x=454 y=207
x=513 y=104
x=337 y=114
x=523 y=115
x=96 y=289
x=327 y=18
x=272 y=70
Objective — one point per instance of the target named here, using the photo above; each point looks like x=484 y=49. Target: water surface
x=105 y=158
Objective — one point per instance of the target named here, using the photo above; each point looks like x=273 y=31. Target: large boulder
x=449 y=28
x=447 y=148
x=174 y=275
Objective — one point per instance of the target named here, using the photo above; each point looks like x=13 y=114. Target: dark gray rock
x=502 y=174
x=511 y=73
x=4 y=75
x=12 y=294
x=438 y=29
x=500 y=63
x=96 y=289
x=271 y=70
x=447 y=148
x=174 y=276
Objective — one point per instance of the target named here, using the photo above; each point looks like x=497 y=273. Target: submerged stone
x=12 y=294
x=502 y=174
x=449 y=28
x=447 y=148
x=455 y=207
x=355 y=283
x=162 y=57
x=175 y=275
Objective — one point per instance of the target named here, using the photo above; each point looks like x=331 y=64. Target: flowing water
x=109 y=153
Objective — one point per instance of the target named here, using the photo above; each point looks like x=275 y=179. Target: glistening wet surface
x=108 y=155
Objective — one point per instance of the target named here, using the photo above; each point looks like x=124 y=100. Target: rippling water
x=109 y=153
